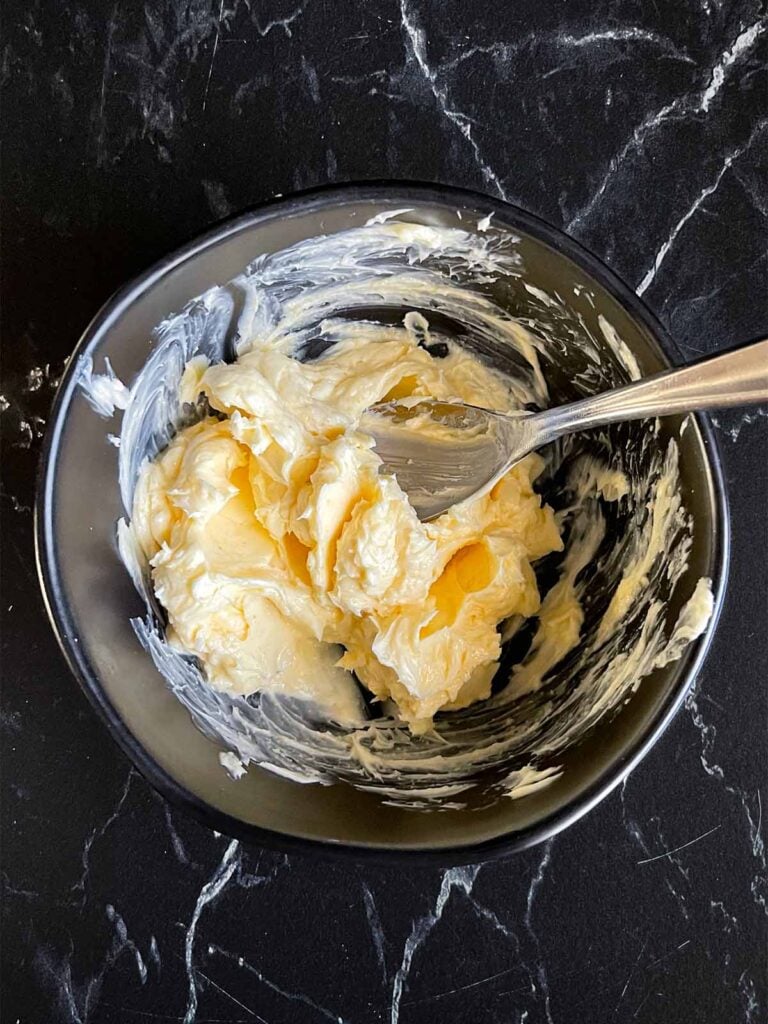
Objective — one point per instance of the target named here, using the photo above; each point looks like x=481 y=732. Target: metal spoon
x=443 y=452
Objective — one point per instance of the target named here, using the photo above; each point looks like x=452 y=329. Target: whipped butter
x=282 y=555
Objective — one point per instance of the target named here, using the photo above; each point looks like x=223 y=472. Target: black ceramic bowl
x=91 y=599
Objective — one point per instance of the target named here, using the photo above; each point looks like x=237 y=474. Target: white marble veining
x=209 y=892
x=661 y=255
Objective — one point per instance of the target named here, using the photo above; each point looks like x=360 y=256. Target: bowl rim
x=59 y=614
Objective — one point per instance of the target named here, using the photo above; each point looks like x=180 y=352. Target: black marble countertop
x=642 y=129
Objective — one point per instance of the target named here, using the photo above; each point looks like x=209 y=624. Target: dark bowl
x=90 y=597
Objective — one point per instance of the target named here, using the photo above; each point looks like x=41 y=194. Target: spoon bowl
x=443 y=453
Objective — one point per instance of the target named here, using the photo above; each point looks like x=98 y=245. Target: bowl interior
x=92 y=599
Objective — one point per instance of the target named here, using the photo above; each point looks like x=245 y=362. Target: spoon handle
x=738 y=377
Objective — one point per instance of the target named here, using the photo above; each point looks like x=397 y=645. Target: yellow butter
x=284 y=559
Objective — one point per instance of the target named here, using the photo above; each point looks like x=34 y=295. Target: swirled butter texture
x=285 y=559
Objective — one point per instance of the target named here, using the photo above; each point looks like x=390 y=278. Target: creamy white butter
x=273 y=538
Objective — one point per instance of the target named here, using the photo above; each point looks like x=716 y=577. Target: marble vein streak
x=176 y=841
x=745 y=419
x=661 y=255
x=178 y=846
x=97 y=833
x=683 y=846
x=681 y=107
x=213 y=52
x=742 y=44
x=746 y=987
x=59 y=975
x=636 y=834
x=210 y=891
x=283 y=23
x=377 y=931
x=566 y=41
x=154 y=954
x=533 y=890
x=495 y=921
x=123 y=941
x=417 y=44
x=78 y=998
x=294 y=997
x=708 y=735
x=630 y=34
x=455 y=878
x=630 y=976
x=101 y=152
